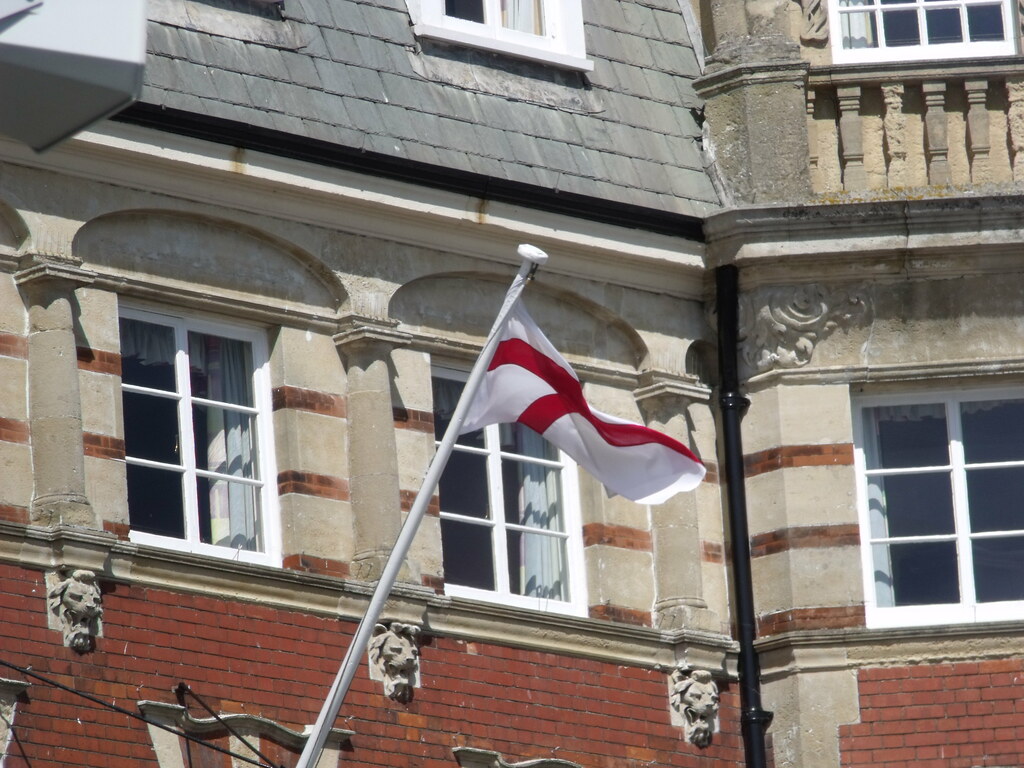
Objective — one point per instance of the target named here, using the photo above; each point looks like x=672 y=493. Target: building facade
x=233 y=323
x=234 y=320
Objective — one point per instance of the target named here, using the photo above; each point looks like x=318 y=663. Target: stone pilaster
x=756 y=113
x=55 y=406
x=365 y=345
x=675 y=525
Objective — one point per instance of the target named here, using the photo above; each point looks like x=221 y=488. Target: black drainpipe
x=753 y=719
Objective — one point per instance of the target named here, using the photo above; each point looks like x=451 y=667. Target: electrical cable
x=27 y=671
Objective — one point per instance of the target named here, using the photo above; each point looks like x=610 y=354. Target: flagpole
x=532 y=259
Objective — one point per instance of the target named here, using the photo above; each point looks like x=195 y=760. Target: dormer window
x=549 y=31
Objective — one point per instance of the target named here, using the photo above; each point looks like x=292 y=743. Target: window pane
x=924 y=573
x=446 y=397
x=221 y=369
x=532 y=495
x=906 y=436
x=470 y=10
x=536 y=566
x=911 y=505
x=463 y=486
x=516 y=438
x=944 y=25
x=523 y=15
x=985 y=23
x=993 y=430
x=151 y=428
x=225 y=441
x=147 y=355
x=155 y=501
x=999 y=569
x=901 y=28
x=859 y=30
x=468 y=555
x=995 y=498
x=228 y=514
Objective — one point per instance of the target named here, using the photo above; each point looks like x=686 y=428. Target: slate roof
x=351 y=73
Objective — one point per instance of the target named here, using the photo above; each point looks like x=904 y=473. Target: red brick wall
x=278 y=664
x=938 y=716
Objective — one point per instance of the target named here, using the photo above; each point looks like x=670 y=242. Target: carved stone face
x=394 y=655
x=700 y=707
x=694 y=695
x=82 y=599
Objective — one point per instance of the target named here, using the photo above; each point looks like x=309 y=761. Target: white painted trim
x=269 y=513
x=967 y=611
x=562 y=44
x=572 y=535
x=925 y=51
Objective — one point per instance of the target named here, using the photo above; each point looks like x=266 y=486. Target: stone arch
x=462 y=305
x=14 y=232
x=701 y=362
x=183 y=253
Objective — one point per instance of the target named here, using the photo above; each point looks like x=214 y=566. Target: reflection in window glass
x=470 y=10
x=943 y=493
x=190 y=434
x=985 y=23
x=503 y=510
x=901 y=28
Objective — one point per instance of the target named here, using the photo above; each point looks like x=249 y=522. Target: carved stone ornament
x=693 y=696
x=395 y=659
x=10 y=690
x=76 y=608
x=174 y=752
x=780 y=327
x=815 y=31
x=470 y=757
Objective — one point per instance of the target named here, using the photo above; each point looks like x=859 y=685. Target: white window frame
x=561 y=45
x=925 y=51
x=262 y=413
x=573 y=533
x=967 y=610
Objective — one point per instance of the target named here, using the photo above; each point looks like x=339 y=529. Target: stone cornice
x=877 y=240
x=788 y=653
x=208 y=173
x=49 y=549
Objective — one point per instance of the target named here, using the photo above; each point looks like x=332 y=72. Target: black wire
x=29 y=673
x=184 y=688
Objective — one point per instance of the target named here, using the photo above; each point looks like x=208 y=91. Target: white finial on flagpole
x=532 y=253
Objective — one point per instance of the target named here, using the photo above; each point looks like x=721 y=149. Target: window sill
x=556 y=607
x=203 y=550
x=516 y=50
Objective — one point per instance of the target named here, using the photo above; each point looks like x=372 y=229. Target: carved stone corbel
x=395 y=659
x=693 y=698
x=171 y=751
x=469 y=757
x=76 y=609
x=10 y=691
x=780 y=327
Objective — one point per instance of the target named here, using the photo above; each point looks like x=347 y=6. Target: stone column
x=55 y=407
x=1015 y=123
x=365 y=346
x=813 y=169
x=675 y=529
x=756 y=112
x=977 y=126
x=851 y=134
x=895 y=126
x=937 y=145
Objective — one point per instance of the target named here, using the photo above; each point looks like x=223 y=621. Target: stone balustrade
x=908 y=126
